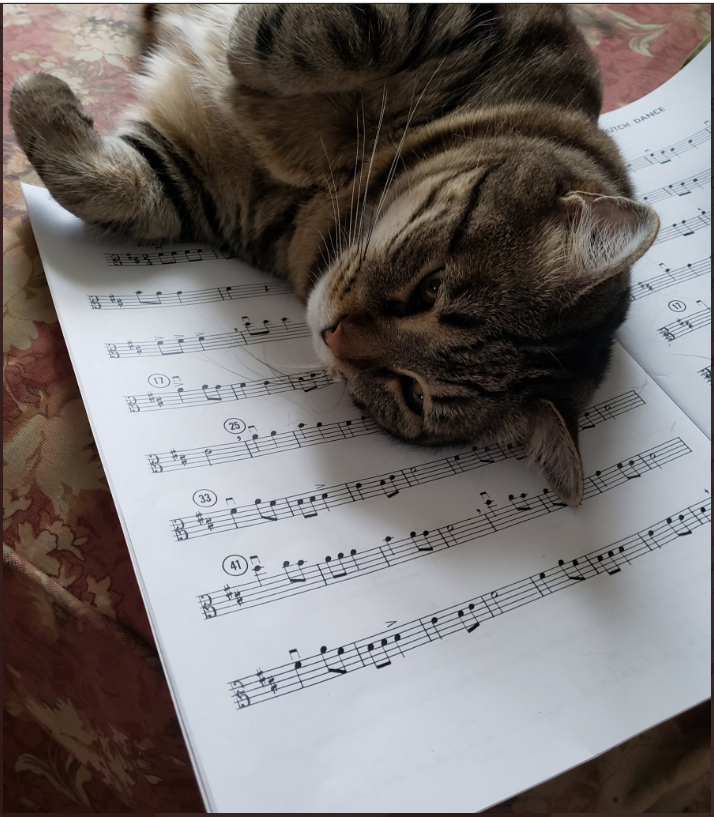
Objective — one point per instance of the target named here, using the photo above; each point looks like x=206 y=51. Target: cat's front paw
x=46 y=115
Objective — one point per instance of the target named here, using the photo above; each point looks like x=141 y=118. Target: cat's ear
x=552 y=443
x=604 y=236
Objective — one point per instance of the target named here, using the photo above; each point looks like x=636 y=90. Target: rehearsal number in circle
x=677 y=306
x=205 y=498
x=159 y=381
x=235 y=565
x=234 y=426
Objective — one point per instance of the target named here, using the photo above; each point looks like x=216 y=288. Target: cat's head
x=481 y=305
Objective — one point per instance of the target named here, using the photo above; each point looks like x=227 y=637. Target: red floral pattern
x=89 y=722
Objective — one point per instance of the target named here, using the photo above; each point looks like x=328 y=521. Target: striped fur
x=354 y=149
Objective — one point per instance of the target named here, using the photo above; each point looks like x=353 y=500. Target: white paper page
x=315 y=587
x=666 y=140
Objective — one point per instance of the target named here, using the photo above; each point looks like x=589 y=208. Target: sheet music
x=282 y=541
x=666 y=138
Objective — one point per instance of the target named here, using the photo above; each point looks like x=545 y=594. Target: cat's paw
x=45 y=113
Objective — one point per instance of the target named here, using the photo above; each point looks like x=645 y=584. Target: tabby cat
x=430 y=178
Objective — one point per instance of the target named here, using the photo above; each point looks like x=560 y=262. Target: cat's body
x=359 y=150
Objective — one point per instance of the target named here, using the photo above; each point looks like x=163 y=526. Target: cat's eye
x=413 y=394
x=428 y=289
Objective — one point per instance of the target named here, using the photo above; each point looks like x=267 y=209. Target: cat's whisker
x=371 y=161
x=354 y=179
x=360 y=210
x=335 y=199
x=361 y=167
x=556 y=359
x=393 y=169
x=324 y=249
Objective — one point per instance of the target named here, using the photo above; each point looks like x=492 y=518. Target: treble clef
x=156 y=466
x=179 y=529
x=112 y=349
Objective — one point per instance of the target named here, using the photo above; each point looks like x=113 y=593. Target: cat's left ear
x=552 y=443
x=604 y=236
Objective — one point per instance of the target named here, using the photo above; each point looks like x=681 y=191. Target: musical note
x=608 y=560
x=173 y=257
x=468 y=618
x=671 y=277
x=174 y=347
x=185 y=398
x=334 y=663
x=307 y=504
x=308 y=507
x=628 y=470
x=681 y=188
x=388 y=486
x=666 y=154
x=140 y=300
x=391 y=484
x=256 y=568
x=344 y=564
x=397 y=551
x=255 y=331
x=379 y=653
x=684 y=228
x=222 y=340
x=295 y=575
x=270 y=515
x=379 y=650
x=422 y=542
x=678 y=525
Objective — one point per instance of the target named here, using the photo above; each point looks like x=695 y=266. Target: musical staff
x=211 y=395
x=519 y=508
x=683 y=326
x=706 y=373
x=144 y=300
x=683 y=188
x=255 y=446
x=670 y=277
x=166 y=258
x=666 y=154
x=380 y=650
x=251 y=334
x=684 y=228
x=304 y=436
x=311 y=505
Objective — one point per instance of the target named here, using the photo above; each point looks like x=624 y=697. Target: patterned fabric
x=89 y=722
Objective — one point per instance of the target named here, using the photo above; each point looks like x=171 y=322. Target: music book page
x=348 y=623
x=665 y=138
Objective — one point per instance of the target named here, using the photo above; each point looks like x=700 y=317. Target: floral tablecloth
x=89 y=725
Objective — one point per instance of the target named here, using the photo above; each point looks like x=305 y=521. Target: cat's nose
x=332 y=338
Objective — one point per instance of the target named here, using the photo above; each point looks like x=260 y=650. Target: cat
x=431 y=179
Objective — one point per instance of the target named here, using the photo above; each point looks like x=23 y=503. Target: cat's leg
x=108 y=181
x=294 y=49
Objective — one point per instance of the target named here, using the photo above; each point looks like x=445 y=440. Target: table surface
x=89 y=723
